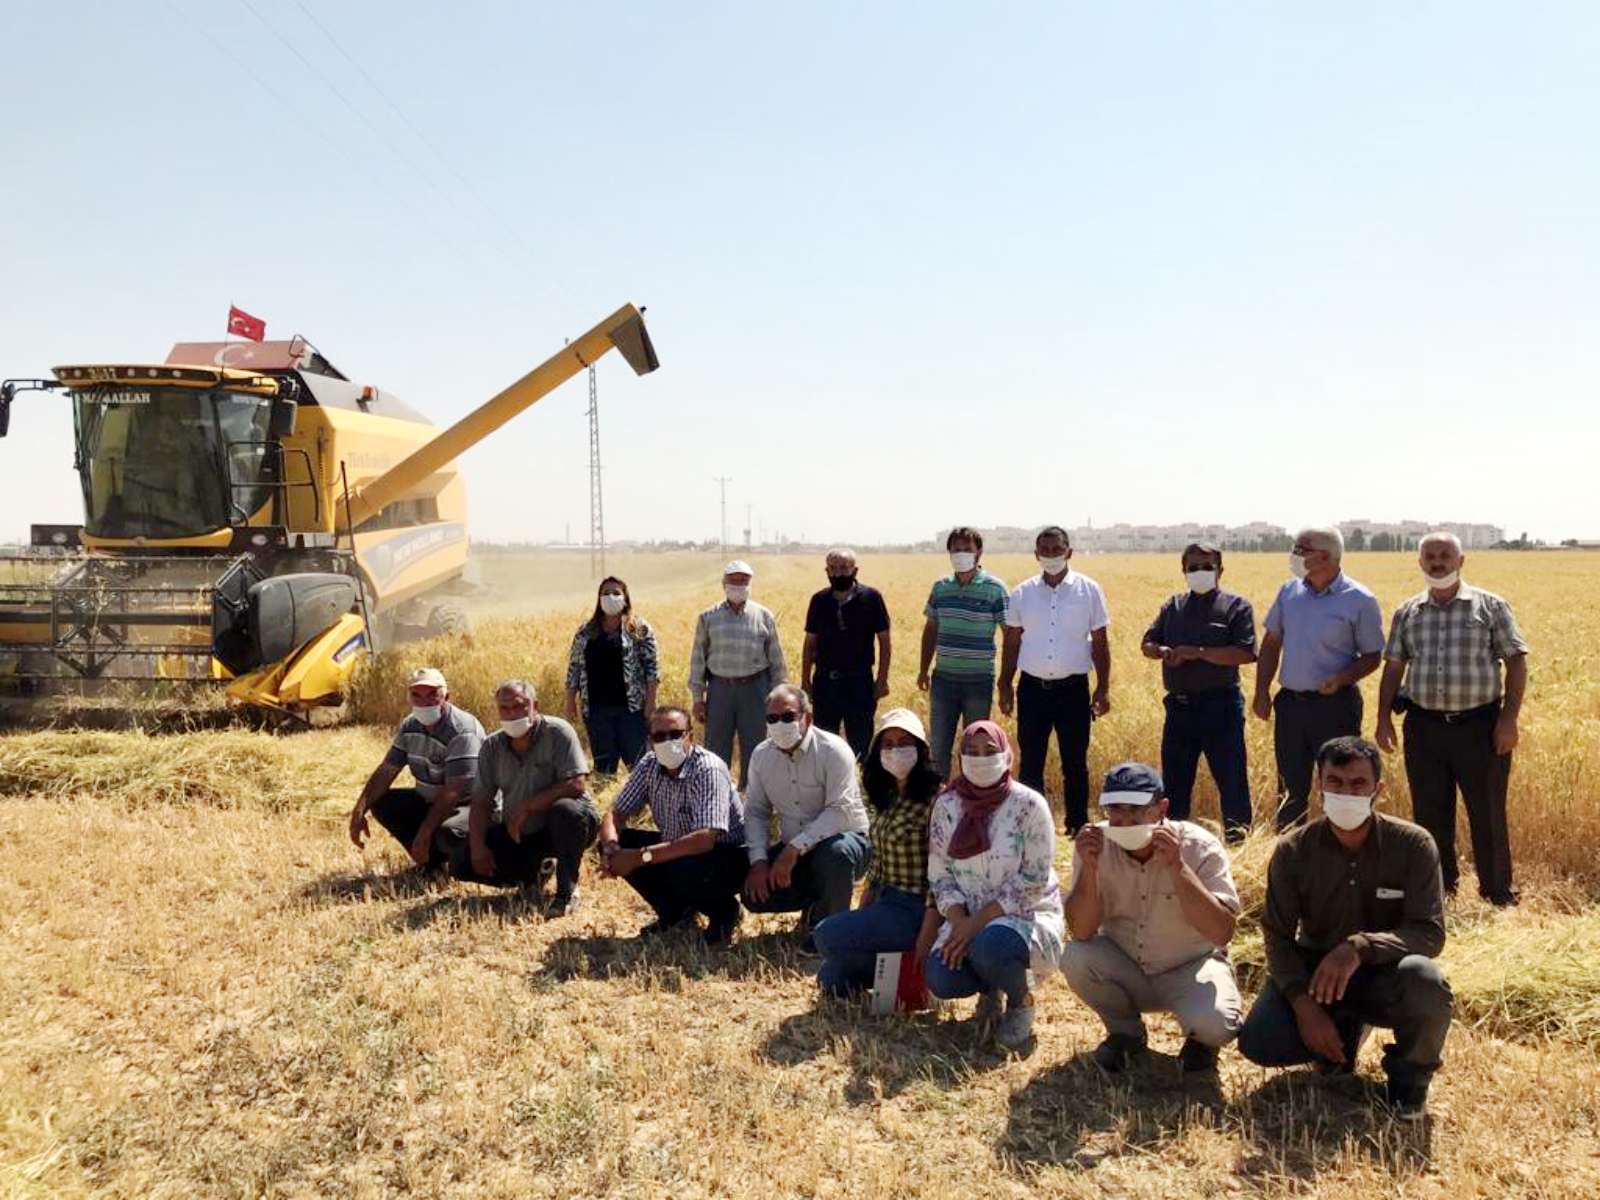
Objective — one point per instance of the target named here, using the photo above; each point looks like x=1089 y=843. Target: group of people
x=959 y=865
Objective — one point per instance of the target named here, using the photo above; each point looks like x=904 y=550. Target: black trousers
x=706 y=883
x=844 y=701
x=1059 y=706
x=401 y=811
x=1302 y=721
x=1442 y=756
x=1209 y=723
x=570 y=828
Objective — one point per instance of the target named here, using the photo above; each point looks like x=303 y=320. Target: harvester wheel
x=444 y=620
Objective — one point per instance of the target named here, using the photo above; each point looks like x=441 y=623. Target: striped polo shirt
x=967 y=616
x=446 y=753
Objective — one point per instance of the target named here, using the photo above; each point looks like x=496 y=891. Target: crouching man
x=536 y=766
x=1353 y=922
x=1152 y=907
x=694 y=861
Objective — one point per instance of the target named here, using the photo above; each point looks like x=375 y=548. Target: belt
x=1229 y=690
x=844 y=674
x=1314 y=694
x=737 y=680
x=1049 y=684
x=1461 y=717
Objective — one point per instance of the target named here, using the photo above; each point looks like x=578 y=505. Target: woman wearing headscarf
x=612 y=668
x=991 y=864
x=896 y=911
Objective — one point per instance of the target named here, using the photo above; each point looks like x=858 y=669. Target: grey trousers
x=737 y=708
x=1202 y=993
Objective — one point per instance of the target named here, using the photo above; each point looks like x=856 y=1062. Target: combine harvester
x=253 y=518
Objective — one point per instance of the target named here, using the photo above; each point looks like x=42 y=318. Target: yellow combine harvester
x=253 y=516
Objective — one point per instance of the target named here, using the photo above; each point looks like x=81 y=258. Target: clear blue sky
x=906 y=265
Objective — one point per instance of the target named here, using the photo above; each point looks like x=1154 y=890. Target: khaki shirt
x=1139 y=908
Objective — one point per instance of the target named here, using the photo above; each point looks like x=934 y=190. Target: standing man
x=440 y=743
x=1327 y=630
x=964 y=609
x=735 y=660
x=536 y=766
x=1202 y=637
x=1442 y=669
x=1354 y=919
x=696 y=862
x=1056 y=630
x=843 y=624
x=808 y=778
x=1152 y=909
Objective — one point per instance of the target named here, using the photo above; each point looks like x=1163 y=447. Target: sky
x=905 y=265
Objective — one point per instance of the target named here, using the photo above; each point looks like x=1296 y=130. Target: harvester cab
x=255 y=518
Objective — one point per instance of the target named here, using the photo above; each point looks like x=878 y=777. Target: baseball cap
x=426 y=677
x=737 y=567
x=1132 y=783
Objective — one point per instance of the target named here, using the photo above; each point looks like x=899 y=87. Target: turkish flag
x=246 y=326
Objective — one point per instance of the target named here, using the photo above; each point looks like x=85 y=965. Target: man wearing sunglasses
x=1152 y=907
x=808 y=779
x=694 y=859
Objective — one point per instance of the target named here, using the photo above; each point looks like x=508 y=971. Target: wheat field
x=205 y=990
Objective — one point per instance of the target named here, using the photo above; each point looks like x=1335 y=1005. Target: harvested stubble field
x=206 y=991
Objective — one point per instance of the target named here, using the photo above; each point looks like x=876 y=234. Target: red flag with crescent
x=243 y=325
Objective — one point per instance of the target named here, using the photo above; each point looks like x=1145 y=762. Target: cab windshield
x=170 y=462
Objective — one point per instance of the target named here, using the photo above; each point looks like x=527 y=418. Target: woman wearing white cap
x=896 y=912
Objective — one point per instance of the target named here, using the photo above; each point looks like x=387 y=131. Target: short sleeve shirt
x=967 y=615
x=846 y=629
x=447 y=752
x=554 y=754
x=700 y=796
x=1453 y=651
x=1214 y=620
x=1056 y=623
x=1323 y=632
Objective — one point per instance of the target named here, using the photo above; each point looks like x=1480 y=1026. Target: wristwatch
x=645 y=855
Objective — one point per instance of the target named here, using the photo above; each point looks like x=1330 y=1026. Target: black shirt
x=1213 y=620
x=846 y=632
x=602 y=659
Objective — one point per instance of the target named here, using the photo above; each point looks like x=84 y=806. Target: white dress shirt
x=813 y=791
x=1056 y=624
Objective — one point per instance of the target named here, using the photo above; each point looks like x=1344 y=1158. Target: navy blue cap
x=1132 y=783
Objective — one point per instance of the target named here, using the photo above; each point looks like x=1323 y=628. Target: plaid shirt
x=1453 y=651
x=734 y=644
x=639 y=659
x=899 y=836
x=700 y=796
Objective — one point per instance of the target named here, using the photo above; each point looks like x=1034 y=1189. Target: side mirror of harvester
x=281 y=423
x=287 y=611
x=7 y=390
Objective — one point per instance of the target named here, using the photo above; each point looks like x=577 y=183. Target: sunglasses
x=787 y=718
x=657 y=736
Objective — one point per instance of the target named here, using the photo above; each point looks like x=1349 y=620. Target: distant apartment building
x=1360 y=534
x=1364 y=534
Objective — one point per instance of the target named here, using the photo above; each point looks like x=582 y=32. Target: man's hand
x=922 y=681
x=1176 y=656
x=623 y=863
x=880 y=690
x=1333 y=973
x=422 y=846
x=1317 y=1029
x=514 y=817
x=1505 y=734
x=482 y=860
x=1262 y=704
x=1332 y=684
x=358 y=824
x=1101 y=704
x=1007 y=697
x=758 y=882
x=962 y=931
x=1387 y=740
x=1164 y=847
x=606 y=850
x=1091 y=840
x=783 y=869
x=700 y=712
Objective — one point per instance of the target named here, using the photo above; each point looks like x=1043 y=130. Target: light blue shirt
x=1323 y=632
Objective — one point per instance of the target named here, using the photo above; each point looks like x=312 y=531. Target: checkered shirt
x=900 y=847
x=1453 y=651
x=700 y=796
x=735 y=644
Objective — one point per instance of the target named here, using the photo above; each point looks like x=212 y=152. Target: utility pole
x=723 y=481
x=747 y=525
x=597 y=519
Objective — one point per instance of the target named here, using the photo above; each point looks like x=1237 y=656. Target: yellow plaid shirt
x=900 y=846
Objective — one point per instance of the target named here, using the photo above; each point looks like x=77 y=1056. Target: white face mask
x=671 y=755
x=737 y=593
x=1201 y=582
x=1347 y=812
x=429 y=715
x=1297 y=565
x=516 y=728
x=963 y=561
x=1132 y=838
x=611 y=604
x=898 y=760
x=984 y=770
x=1441 y=582
x=1053 y=566
x=786 y=735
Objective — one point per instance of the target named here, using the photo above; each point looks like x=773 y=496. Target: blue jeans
x=997 y=961
x=615 y=734
x=952 y=698
x=1209 y=723
x=850 y=942
x=823 y=878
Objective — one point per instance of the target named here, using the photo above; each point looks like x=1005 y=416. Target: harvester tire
x=445 y=620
